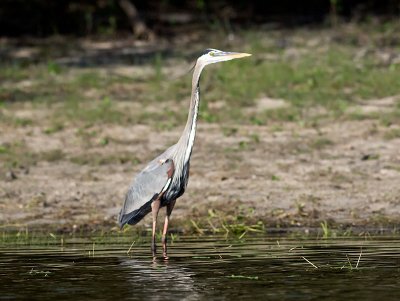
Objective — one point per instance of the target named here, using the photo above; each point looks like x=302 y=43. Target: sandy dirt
x=285 y=175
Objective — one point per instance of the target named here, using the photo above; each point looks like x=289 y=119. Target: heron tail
x=132 y=218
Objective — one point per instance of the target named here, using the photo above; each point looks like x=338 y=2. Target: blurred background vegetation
x=328 y=53
x=313 y=58
x=70 y=17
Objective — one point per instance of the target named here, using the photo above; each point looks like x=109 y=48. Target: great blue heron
x=165 y=178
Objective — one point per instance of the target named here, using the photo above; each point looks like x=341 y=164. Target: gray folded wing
x=146 y=187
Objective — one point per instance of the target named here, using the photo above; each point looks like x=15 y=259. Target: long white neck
x=185 y=143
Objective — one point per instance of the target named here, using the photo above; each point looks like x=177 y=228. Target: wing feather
x=145 y=188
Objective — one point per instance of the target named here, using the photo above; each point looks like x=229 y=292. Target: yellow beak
x=236 y=55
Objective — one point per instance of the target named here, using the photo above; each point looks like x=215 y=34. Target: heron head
x=211 y=56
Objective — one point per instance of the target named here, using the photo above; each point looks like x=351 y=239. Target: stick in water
x=359 y=257
x=310 y=262
x=130 y=247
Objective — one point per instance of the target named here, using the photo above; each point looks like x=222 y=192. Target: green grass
x=16 y=155
x=326 y=76
x=331 y=80
x=290 y=114
x=392 y=134
x=390 y=118
x=101 y=159
x=322 y=79
x=54 y=128
x=99 y=111
x=320 y=143
x=15 y=72
x=51 y=156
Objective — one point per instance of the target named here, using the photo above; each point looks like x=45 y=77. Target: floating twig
x=212 y=226
x=309 y=262
x=130 y=248
x=243 y=277
x=200 y=231
x=226 y=229
x=348 y=259
x=243 y=234
x=359 y=257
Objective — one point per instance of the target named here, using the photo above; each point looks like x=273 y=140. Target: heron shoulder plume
x=165 y=178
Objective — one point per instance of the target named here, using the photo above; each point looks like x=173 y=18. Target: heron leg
x=155 y=207
x=170 y=207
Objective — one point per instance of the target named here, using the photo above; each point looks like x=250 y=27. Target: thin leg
x=170 y=207
x=155 y=207
x=164 y=236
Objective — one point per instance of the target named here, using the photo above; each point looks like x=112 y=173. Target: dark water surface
x=200 y=269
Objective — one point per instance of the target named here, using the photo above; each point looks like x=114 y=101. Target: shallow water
x=198 y=268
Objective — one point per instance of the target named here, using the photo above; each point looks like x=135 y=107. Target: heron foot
x=164 y=243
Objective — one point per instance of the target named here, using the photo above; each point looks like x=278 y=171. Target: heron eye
x=212 y=53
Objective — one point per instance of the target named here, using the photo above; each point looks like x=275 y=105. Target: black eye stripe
x=206 y=51
x=209 y=51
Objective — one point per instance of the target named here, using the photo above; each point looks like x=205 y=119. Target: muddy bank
x=294 y=177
